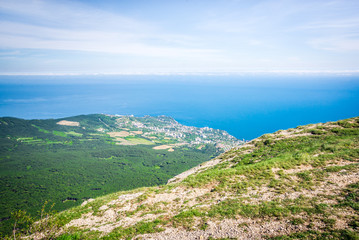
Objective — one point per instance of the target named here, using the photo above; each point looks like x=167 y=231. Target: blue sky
x=178 y=36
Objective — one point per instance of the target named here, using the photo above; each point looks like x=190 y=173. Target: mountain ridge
x=296 y=183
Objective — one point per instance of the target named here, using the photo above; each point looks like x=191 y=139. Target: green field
x=138 y=140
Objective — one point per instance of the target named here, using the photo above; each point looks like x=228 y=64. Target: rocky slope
x=297 y=183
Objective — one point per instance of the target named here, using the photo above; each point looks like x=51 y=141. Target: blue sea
x=245 y=106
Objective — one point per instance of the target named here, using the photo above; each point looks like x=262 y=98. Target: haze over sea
x=246 y=106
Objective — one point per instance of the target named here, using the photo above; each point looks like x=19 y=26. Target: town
x=166 y=128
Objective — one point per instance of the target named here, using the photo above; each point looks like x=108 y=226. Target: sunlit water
x=245 y=106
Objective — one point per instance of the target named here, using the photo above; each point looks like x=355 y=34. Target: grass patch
x=277 y=208
x=139 y=228
x=138 y=140
x=60 y=134
x=72 y=133
x=233 y=207
x=350 y=197
x=40 y=129
x=334 y=234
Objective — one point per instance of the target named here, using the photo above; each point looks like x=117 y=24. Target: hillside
x=66 y=161
x=297 y=183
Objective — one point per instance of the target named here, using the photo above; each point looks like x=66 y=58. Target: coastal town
x=167 y=130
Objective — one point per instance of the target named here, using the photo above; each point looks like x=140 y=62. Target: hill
x=67 y=161
x=297 y=183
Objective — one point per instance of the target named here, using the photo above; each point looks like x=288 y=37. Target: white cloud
x=336 y=43
x=352 y=23
x=218 y=36
x=67 y=14
x=10 y=53
x=68 y=27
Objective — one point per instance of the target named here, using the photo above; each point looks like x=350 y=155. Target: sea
x=246 y=106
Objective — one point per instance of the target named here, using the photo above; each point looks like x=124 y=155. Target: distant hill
x=66 y=161
x=298 y=183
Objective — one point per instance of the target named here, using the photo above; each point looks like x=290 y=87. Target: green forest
x=42 y=160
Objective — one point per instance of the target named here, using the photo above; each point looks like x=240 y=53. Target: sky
x=178 y=36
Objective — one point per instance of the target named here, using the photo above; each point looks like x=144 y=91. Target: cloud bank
x=178 y=36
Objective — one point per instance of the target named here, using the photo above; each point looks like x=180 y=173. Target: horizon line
x=296 y=72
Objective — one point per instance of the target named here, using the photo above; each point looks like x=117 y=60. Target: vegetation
x=296 y=184
x=70 y=161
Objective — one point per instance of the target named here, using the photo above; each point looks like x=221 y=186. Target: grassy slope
x=298 y=183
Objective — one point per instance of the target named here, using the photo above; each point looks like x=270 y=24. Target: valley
x=66 y=161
